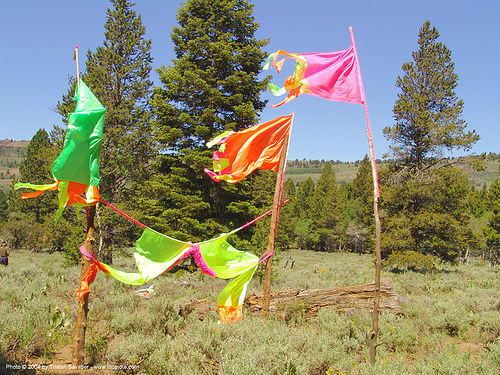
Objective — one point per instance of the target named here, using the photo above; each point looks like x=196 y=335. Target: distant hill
x=12 y=153
x=301 y=170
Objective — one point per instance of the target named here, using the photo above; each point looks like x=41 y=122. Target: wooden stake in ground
x=376 y=195
x=83 y=304
x=274 y=225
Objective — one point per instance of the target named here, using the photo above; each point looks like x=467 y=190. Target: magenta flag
x=329 y=75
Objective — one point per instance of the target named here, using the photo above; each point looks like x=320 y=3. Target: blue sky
x=37 y=40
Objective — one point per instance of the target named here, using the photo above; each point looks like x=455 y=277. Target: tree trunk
x=358 y=297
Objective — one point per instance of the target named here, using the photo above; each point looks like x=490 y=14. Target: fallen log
x=342 y=299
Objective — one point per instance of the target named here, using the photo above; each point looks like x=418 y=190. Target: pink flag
x=330 y=75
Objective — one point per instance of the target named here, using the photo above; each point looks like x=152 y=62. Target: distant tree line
x=307 y=163
x=154 y=152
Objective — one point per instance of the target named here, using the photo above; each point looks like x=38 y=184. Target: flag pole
x=75 y=57
x=78 y=348
x=268 y=255
x=376 y=195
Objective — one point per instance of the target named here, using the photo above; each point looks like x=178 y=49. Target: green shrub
x=72 y=245
x=412 y=261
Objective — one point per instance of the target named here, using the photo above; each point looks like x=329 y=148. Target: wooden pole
x=83 y=304
x=378 y=265
x=376 y=195
x=78 y=349
x=274 y=226
x=75 y=57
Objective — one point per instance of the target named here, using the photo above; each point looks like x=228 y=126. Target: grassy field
x=451 y=321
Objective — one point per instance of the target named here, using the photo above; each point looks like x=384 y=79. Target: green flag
x=76 y=169
x=80 y=157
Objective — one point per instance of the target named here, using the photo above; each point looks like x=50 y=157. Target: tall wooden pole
x=83 y=304
x=378 y=257
x=274 y=225
x=376 y=195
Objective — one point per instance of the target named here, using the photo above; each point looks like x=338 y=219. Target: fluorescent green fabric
x=228 y=262
x=79 y=159
x=156 y=253
x=76 y=169
x=234 y=292
x=35 y=187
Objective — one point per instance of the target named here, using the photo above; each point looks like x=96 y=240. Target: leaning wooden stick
x=268 y=257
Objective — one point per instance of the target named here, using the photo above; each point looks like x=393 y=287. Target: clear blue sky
x=37 y=40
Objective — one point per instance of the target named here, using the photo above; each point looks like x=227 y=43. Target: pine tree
x=284 y=235
x=36 y=169
x=212 y=86
x=428 y=214
x=425 y=201
x=327 y=210
x=427 y=111
x=4 y=206
x=303 y=208
x=118 y=74
x=363 y=191
x=492 y=229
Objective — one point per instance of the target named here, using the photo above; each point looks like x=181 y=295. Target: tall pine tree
x=424 y=201
x=427 y=111
x=212 y=86
x=118 y=72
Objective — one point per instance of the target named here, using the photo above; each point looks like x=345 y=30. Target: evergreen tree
x=118 y=74
x=306 y=235
x=477 y=201
x=4 y=207
x=363 y=191
x=428 y=214
x=303 y=203
x=285 y=236
x=327 y=212
x=36 y=169
x=427 y=111
x=212 y=86
x=492 y=229
x=425 y=203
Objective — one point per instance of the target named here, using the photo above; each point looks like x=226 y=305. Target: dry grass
x=451 y=321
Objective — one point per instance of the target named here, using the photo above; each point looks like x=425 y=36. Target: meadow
x=450 y=325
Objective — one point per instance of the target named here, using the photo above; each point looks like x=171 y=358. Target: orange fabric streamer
x=257 y=147
x=87 y=279
x=230 y=313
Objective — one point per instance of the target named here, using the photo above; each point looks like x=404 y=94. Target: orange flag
x=257 y=147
